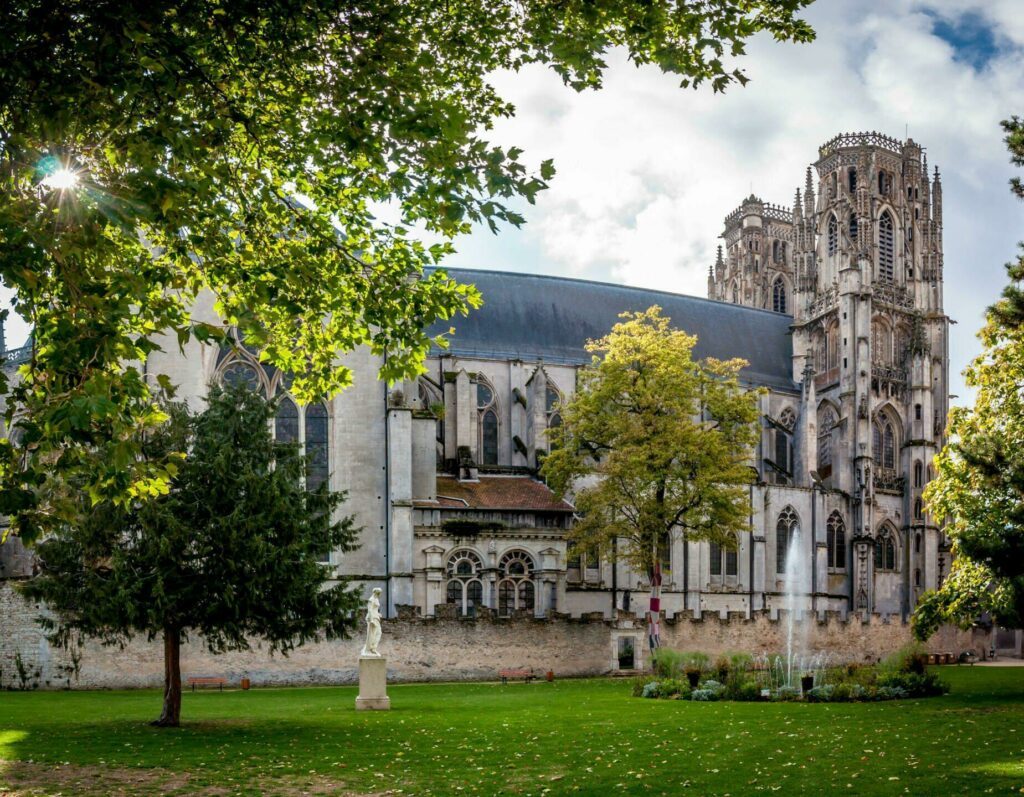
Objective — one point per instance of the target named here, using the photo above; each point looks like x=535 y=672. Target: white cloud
x=647 y=171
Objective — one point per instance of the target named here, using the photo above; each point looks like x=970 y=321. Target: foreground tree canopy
x=654 y=443
x=978 y=490
x=234 y=551
x=151 y=150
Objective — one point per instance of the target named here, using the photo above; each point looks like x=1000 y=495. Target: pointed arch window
x=833 y=234
x=918 y=509
x=853 y=179
x=886 y=247
x=317 y=464
x=885 y=550
x=853 y=227
x=832 y=346
x=487 y=407
x=665 y=558
x=552 y=404
x=782 y=451
x=286 y=422
x=883 y=439
x=836 y=541
x=881 y=342
x=918 y=474
x=779 y=296
x=826 y=424
x=888 y=447
x=787 y=526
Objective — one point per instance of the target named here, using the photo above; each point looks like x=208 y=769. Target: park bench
x=967 y=657
x=206 y=680
x=526 y=675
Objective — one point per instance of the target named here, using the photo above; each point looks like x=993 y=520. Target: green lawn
x=582 y=737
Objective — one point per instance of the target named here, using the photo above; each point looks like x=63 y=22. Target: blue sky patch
x=971 y=36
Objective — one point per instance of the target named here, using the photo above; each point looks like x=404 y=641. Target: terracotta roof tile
x=496 y=492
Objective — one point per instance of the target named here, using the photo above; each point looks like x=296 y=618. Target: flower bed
x=692 y=676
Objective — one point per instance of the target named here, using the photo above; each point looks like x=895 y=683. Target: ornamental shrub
x=891 y=693
x=909 y=659
x=671 y=687
x=695 y=661
x=651 y=689
x=786 y=694
x=741 y=662
x=704 y=695
x=926 y=684
x=820 y=694
x=667 y=663
x=713 y=686
x=747 y=692
x=843 y=692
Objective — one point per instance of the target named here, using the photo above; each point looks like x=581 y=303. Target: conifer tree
x=232 y=553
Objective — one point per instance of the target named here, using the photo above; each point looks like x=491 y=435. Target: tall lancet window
x=787 y=525
x=487 y=408
x=317 y=465
x=779 y=296
x=826 y=423
x=836 y=542
x=884 y=443
x=286 y=422
x=833 y=234
x=552 y=402
x=853 y=228
x=886 y=247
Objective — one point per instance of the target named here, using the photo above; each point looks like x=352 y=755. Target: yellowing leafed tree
x=653 y=444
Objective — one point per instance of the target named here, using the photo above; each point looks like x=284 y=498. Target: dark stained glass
x=239 y=373
x=286 y=423
x=489 y=435
x=317 y=464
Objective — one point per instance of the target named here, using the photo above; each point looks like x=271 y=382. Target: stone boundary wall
x=432 y=649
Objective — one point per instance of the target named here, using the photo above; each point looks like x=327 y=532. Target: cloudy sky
x=647 y=171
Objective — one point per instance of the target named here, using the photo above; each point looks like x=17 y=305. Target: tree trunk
x=170 y=717
x=654 y=607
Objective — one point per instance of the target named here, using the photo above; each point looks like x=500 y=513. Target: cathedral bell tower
x=868 y=318
x=858 y=264
x=756 y=268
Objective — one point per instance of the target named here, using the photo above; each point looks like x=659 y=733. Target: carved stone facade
x=837 y=307
x=863 y=279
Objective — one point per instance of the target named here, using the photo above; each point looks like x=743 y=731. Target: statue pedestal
x=373 y=684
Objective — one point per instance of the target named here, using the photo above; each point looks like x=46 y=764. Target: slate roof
x=509 y=493
x=533 y=316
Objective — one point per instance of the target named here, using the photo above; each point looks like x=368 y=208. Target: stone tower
x=756 y=269
x=864 y=262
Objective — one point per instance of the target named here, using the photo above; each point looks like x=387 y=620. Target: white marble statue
x=372 y=624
